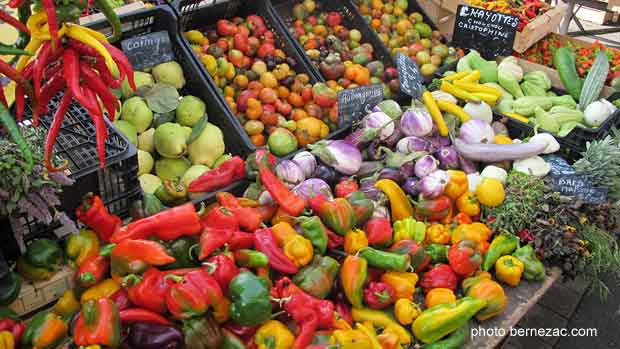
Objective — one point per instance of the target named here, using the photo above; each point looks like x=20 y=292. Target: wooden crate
x=35 y=295
x=531 y=33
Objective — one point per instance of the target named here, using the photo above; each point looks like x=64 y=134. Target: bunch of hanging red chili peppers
x=64 y=56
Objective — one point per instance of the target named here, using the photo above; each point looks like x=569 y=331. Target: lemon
x=195 y=37
x=490 y=192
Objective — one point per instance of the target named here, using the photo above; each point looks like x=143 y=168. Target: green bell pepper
x=10 y=286
x=442 y=319
x=501 y=245
x=44 y=253
x=385 y=260
x=251 y=304
x=314 y=230
x=30 y=272
x=437 y=252
x=362 y=206
x=534 y=268
x=318 y=278
x=183 y=252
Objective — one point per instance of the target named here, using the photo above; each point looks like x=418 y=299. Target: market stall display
x=422 y=219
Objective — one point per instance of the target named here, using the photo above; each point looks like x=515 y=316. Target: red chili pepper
x=142 y=315
x=223 y=270
x=121 y=298
x=20 y=101
x=71 y=68
x=227 y=173
x=123 y=63
x=346 y=187
x=247 y=217
x=92 y=271
x=167 y=225
x=148 y=291
x=265 y=242
x=94 y=81
x=50 y=10
x=16 y=3
x=53 y=131
x=39 y=65
x=241 y=240
x=212 y=239
x=14 y=22
x=107 y=76
x=3 y=98
x=288 y=201
x=55 y=84
x=219 y=217
x=95 y=215
x=101 y=130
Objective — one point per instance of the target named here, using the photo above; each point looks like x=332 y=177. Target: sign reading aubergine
x=355 y=103
x=490 y=33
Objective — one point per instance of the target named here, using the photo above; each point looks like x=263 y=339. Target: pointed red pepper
x=288 y=201
x=212 y=239
x=248 y=217
x=98 y=324
x=149 y=291
x=95 y=215
x=227 y=173
x=221 y=218
x=193 y=294
x=92 y=271
x=265 y=242
x=142 y=315
x=241 y=240
x=135 y=256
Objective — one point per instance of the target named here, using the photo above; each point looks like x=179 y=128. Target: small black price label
x=411 y=81
x=580 y=187
x=355 y=103
x=490 y=33
x=148 y=50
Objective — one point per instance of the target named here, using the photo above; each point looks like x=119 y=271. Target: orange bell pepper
x=355 y=240
x=457 y=185
x=439 y=296
x=468 y=204
x=437 y=234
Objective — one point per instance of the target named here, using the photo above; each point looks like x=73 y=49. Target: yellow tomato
x=490 y=192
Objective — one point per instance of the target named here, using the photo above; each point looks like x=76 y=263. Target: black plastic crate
x=203 y=14
x=163 y=18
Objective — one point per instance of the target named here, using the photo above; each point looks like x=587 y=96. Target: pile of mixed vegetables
x=526 y=10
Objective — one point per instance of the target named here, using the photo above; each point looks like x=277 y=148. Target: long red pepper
x=227 y=173
x=16 y=3
x=240 y=240
x=3 y=98
x=142 y=315
x=288 y=201
x=170 y=224
x=247 y=217
x=14 y=22
x=93 y=80
x=212 y=239
x=52 y=21
x=37 y=74
x=102 y=68
x=123 y=63
x=265 y=242
x=148 y=251
x=101 y=130
x=71 y=68
x=20 y=80
x=93 y=213
x=54 y=85
x=54 y=129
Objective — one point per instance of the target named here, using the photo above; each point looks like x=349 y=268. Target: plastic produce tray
x=201 y=14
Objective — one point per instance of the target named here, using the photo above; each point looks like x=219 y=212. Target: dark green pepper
x=385 y=260
x=438 y=253
x=314 y=230
x=454 y=340
x=148 y=206
x=251 y=258
x=318 y=277
x=230 y=341
x=183 y=252
x=44 y=253
x=534 y=269
x=501 y=245
x=251 y=304
x=362 y=206
x=10 y=285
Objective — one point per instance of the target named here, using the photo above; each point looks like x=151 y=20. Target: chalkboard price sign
x=579 y=187
x=148 y=50
x=411 y=81
x=355 y=103
x=490 y=33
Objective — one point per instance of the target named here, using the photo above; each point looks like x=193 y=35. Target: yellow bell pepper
x=6 y=340
x=355 y=240
x=509 y=269
x=296 y=247
x=400 y=206
x=369 y=330
x=104 y=289
x=437 y=234
x=381 y=319
x=351 y=339
x=439 y=296
x=403 y=283
x=468 y=204
x=67 y=305
x=476 y=233
x=457 y=185
x=274 y=335
x=405 y=311
x=82 y=246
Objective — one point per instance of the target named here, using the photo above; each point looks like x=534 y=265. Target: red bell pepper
x=227 y=173
x=433 y=209
x=248 y=217
x=288 y=201
x=193 y=294
x=121 y=298
x=223 y=269
x=241 y=240
x=464 y=257
x=419 y=258
x=149 y=292
x=98 y=324
x=96 y=216
x=266 y=243
x=220 y=218
x=142 y=315
x=334 y=240
x=316 y=201
x=92 y=271
x=167 y=225
x=346 y=187
x=439 y=276
x=13 y=324
x=212 y=239
x=134 y=256
x=379 y=231
x=379 y=295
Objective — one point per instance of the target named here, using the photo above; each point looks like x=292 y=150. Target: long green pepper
x=501 y=245
x=6 y=119
x=251 y=258
x=314 y=230
x=385 y=260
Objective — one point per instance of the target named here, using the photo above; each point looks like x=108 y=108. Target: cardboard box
x=35 y=295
